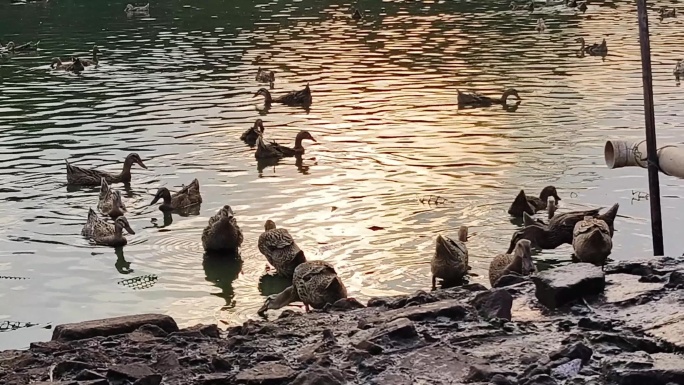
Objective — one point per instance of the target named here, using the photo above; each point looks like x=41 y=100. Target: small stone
x=676 y=279
x=88 y=375
x=221 y=364
x=210 y=331
x=652 y=278
x=541 y=379
x=111 y=326
x=152 y=379
x=153 y=330
x=481 y=373
x=166 y=362
x=593 y=324
x=500 y=379
x=567 y=370
x=496 y=303
x=576 y=350
x=557 y=287
x=265 y=373
x=318 y=375
x=131 y=372
x=64 y=367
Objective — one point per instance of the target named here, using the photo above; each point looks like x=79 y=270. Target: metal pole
x=651 y=149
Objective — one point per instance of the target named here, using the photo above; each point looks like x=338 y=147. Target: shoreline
x=621 y=326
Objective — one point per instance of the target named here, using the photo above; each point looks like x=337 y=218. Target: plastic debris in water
x=7 y=326
x=139 y=283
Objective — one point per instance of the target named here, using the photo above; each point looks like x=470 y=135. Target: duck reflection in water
x=264 y=163
x=222 y=272
x=273 y=284
x=122 y=266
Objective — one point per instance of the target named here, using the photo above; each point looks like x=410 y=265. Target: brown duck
x=519 y=262
x=88 y=177
x=524 y=204
x=274 y=150
x=294 y=98
x=592 y=241
x=450 y=262
x=187 y=196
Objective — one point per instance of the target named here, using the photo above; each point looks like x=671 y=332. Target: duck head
x=510 y=92
x=259 y=126
x=304 y=135
x=523 y=254
x=448 y=249
x=162 y=193
x=129 y=8
x=122 y=223
x=10 y=46
x=134 y=158
x=56 y=62
x=269 y=225
x=263 y=92
x=549 y=191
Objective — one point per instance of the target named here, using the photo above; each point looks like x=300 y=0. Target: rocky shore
x=575 y=324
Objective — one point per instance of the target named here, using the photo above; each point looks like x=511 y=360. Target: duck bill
x=141 y=164
x=155 y=200
x=262 y=310
x=129 y=230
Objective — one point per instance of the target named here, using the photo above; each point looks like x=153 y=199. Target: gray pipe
x=621 y=153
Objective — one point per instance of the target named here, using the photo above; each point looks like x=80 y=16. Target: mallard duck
x=280 y=249
x=592 y=241
x=94 y=61
x=11 y=47
x=475 y=99
x=187 y=196
x=315 y=283
x=571 y=3
x=551 y=207
x=582 y=6
x=679 y=68
x=356 y=14
x=664 y=12
x=450 y=262
x=293 y=98
x=530 y=205
x=75 y=66
x=222 y=234
x=519 y=262
x=252 y=134
x=87 y=177
x=110 y=202
x=133 y=10
x=595 y=49
x=541 y=26
x=560 y=228
x=264 y=76
x=274 y=150
x=105 y=234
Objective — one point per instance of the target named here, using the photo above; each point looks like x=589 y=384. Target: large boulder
x=112 y=326
x=560 y=286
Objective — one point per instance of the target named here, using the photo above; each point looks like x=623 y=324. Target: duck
x=664 y=12
x=582 y=6
x=76 y=65
x=592 y=241
x=274 y=150
x=222 y=234
x=280 y=249
x=94 y=61
x=450 y=261
x=264 y=76
x=551 y=207
x=30 y=46
x=595 y=49
x=560 y=228
x=251 y=135
x=679 y=68
x=103 y=233
x=187 y=196
x=315 y=283
x=475 y=99
x=293 y=98
x=530 y=205
x=518 y=262
x=571 y=3
x=541 y=26
x=356 y=14
x=141 y=10
x=88 y=177
x=110 y=202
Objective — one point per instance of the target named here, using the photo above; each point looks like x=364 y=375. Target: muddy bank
x=624 y=326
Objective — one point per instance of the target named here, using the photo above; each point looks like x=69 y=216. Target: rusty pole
x=649 y=113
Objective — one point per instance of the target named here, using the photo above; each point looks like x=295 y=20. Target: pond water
x=176 y=87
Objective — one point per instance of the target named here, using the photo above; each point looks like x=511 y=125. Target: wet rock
x=594 y=324
x=371 y=340
x=500 y=379
x=449 y=308
x=474 y=287
x=65 y=367
x=567 y=370
x=510 y=280
x=496 y=303
x=167 y=362
x=540 y=379
x=628 y=343
x=140 y=374
x=481 y=373
x=666 y=368
x=318 y=375
x=265 y=373
x=153 y=330
x=50 y=347
x=88 y=375
x=676 y=279
x=346 y=304
x=209 y=331
x=214 y=379
x=576 y=350
x=652 y=278
x=111 y=326
x=557 y=287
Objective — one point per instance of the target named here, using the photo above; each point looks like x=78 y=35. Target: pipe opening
x=609 y=154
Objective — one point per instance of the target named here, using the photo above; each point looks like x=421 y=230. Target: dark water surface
x=177 y=87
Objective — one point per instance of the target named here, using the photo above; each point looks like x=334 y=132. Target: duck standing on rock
x=87 y=177
x=110 y=202
x=102 y=233
x=222 y=234
x=274 y=150
x=187 y=196
x=315 y=283
x=524 y=204
x=280 y=249
x=519 y=262
x=293 y=98
x=592 y=241
x=450 y=262
x=478 y=100
x=251 y=135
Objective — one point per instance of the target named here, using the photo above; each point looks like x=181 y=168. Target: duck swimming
x=315 y=283
x=280 y=249
x=252 y=134
x=519 y=262
x=187 y=196
x=110 y=202
x=679 y=68
x=87 y=177
x=94 y=61
x=274 y=150
x=595 y=49
x=293 y=98
x=75 y=66
x=530 y=205
x=30 y=46
x=133 y=10
x=592 y=241
x=475 y=99
x=450 y=261
x=264 y=76
x=222 y=234
x=664 y=12
x=541 y=26
x=102 y=233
